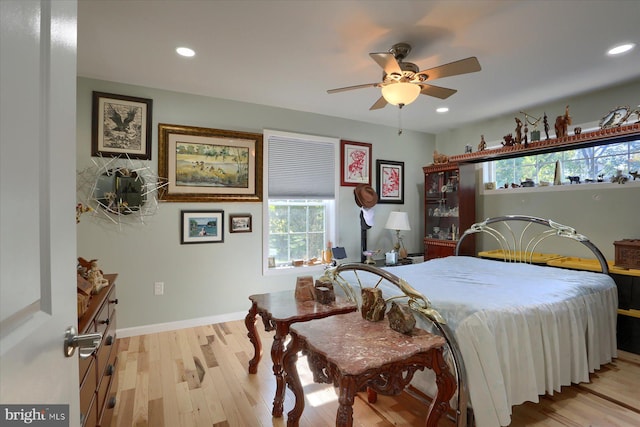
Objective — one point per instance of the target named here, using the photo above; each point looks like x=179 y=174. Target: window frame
x=489 y=167
x=331 y=205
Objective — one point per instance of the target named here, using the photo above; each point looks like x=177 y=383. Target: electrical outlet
x=158 y=288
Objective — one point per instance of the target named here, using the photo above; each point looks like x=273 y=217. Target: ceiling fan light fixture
x=401 y=93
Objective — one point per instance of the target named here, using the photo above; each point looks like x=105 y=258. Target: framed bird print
x=121 y=126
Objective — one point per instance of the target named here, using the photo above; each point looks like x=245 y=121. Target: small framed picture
x=355 y=163
x=202 y=227
x=240 y=223
x=121 y=126
x=390 y=181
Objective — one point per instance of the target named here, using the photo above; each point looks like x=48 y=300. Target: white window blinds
x=300 y=166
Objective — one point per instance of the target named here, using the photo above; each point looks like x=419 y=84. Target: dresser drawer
x=88 y=387
x=108 y=377
x=106 y=348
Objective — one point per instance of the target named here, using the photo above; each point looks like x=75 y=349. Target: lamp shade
x=400 y=93
x=398 y=221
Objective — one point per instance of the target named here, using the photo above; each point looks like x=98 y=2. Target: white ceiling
x=287 y=53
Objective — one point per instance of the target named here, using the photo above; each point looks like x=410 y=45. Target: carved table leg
x=293 y=381
x=372 y=395
x=446 y=383
x=250 y=323
x=347 y=386
x=277 y=350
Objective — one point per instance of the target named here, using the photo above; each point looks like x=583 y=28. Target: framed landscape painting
x=390 y=181
x=355 y=163
x=202 y=227
x=209 y=165
x=121 y=126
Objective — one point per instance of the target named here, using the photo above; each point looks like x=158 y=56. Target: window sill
x=563 y=187
x=289 y=270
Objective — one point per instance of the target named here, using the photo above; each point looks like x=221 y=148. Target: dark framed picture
x=390 y=181
x=121 y=126
x=240 y=223
x=355 y=163
x=209 y=165
x=202 y=227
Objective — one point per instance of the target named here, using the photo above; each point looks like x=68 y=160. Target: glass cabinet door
x=442 y=207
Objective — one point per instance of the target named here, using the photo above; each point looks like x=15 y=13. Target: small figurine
x=619 y=178
x=546 y=126
x=468 y=149
x=518 y=139
x=573 y=179
x=483 y=145
x=562 y=122
x=577 y=130
x=508 y=140
x=95 y=277
x=526 y=136
x=439 y=158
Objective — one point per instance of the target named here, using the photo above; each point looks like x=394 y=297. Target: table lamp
x=398 y=221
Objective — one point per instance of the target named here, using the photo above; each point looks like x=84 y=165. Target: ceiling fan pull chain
x=400 y=119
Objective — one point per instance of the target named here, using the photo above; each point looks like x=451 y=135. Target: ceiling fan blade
x=387 y=61
x=436 y=91
x=380 y=103
x=463 y=66
x=342 y=89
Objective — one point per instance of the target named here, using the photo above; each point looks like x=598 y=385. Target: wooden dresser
x=98 y=382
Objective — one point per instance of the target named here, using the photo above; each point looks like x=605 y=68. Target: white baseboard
x=181 y=324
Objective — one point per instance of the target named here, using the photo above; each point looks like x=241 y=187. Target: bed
x=516 y=330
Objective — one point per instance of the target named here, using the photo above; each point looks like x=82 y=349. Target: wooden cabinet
x=98 y=372
x=628 y=284
x=449 y=208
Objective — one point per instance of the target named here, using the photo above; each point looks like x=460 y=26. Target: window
x=301 y=187
x=598 y=163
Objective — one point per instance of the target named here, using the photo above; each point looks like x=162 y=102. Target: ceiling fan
x=402 y=82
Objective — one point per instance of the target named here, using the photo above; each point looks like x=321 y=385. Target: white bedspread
x=523 y=330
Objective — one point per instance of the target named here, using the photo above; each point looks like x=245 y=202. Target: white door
x=37 y=203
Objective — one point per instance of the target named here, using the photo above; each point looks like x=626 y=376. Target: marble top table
x=278 y=311
x=353 y=353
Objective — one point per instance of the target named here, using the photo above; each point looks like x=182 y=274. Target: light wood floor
x=198 y=377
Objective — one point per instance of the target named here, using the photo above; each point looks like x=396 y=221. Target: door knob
x=87 y=343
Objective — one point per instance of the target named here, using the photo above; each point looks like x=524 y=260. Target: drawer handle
x=112 y=403
x=113 y=301
x=109 y=370
x=104 y=322
x=109 y=340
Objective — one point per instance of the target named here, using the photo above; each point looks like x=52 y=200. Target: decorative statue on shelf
x=562 y=122
x=439 y=158
x=546 y=126
x=518 y=139
x=95 y=277
x=483 y=145
x=508 y=140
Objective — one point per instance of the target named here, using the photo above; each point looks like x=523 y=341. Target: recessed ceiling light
x=185 y=51
x=442 y=109
x=620 y=49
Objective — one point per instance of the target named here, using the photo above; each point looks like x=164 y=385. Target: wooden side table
x=278 y=311
x=354 y=353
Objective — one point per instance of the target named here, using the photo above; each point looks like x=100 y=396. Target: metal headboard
x=422 y=305
x=521 y=247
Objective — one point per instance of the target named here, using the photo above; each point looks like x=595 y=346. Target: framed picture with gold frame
x=209 y=165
